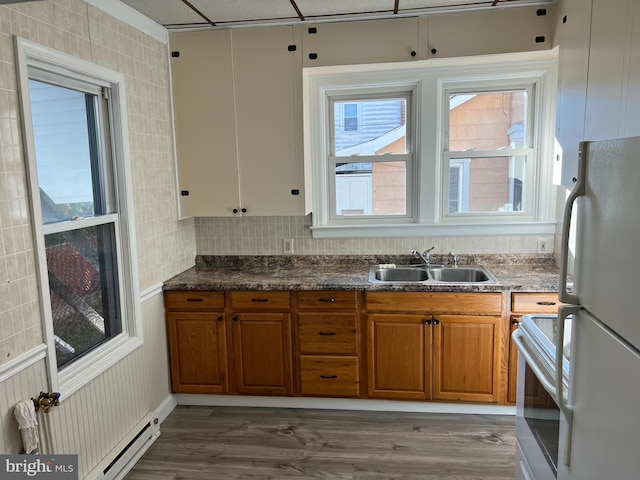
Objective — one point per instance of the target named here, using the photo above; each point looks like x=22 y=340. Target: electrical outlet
x=543 y=244
x=287 y=246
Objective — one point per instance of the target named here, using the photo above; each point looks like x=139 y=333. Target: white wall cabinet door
x=268 y=100
x=606 y=69
x=573 y=28
x=488 y=32
x=238 y=115
x=351 y=43
x=205 y=132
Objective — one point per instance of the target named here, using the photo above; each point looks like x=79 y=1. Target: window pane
x=83 y=289
x=487 y=121
x=370 y=127
x=494 y=184
x=65 y=135
x=378 y=188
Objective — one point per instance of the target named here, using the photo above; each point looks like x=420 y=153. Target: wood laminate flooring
x=199 y=443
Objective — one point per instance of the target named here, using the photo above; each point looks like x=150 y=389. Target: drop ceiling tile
x=245 y=10
x=166 y=12
x=430 y=4
x=314 y=8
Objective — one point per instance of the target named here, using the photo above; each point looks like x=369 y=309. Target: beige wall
x=95 y=419
x=165 y=246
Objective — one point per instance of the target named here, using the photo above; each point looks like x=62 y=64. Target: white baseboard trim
x=342 y=404
x=165 y=408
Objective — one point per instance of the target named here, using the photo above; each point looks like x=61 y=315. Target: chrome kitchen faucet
x=425 y=256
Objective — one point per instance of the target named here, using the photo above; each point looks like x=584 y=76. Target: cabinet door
x=573 y=28
x=268 y=99
x=351 y=43
x=197 y=351
x=606 y=70
x=486 y=32
x=399 y=353
x=466 y=352
x=205 y=131
x=262 y=352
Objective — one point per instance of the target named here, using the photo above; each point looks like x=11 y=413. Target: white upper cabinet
x=268 y=99
x=238 y=115
x=489 y=31
x=598 y=75
x=609 y=30
x=351 y=43
x=203 y=104
x=573 y=27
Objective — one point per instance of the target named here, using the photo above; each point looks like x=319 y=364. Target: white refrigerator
x=603 y=399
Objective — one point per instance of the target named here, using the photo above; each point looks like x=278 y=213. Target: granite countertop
x=531 y=273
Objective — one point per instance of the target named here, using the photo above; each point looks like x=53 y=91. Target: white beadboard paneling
x=96 y=418
x=28 y=383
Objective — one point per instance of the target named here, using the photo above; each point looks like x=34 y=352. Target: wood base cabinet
x=261 y=332
x=466 y=354
x=196 y=332
x=399 y=356
x=262 y=353
x=327 y=343
x=435 y=355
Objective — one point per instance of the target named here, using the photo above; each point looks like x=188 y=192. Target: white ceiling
x=187 y=14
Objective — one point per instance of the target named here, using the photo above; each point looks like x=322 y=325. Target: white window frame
x=474 y=86
x=430 y=79
x=32 y=56
x=406 y=92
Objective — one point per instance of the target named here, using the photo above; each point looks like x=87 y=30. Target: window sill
x=439 y=230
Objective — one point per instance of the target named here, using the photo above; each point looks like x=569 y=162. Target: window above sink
x=440 y=163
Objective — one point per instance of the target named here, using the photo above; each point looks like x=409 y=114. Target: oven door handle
x=516 y=336
x=563 y=312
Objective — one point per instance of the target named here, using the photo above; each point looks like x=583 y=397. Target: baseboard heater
x=132 y=452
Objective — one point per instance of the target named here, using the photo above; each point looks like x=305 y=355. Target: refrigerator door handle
x=578 y=191
x=563 y=312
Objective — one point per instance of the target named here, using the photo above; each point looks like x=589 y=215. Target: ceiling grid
x=202 y=14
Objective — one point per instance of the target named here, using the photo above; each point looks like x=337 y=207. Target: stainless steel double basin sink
x=437 y=274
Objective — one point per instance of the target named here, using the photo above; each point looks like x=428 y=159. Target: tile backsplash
x=264 y=236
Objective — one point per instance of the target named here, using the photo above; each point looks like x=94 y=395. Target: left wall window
x=79 y=215
x=78 y=170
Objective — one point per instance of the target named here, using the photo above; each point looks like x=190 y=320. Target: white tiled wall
x=264 y=236
x=165 y=246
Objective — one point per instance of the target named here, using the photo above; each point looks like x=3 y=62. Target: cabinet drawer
x=435 y=302
x=259 y=300
x=193 y=300
x=329 y=376
x=327 y=333
x=327 y=300
x=534 y=303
